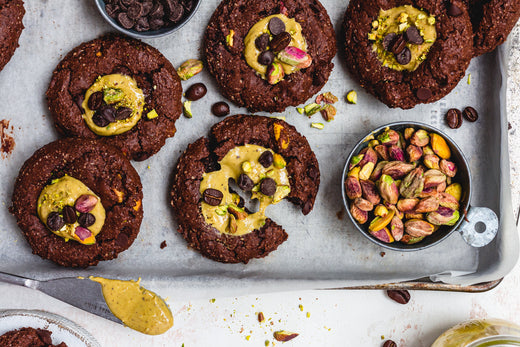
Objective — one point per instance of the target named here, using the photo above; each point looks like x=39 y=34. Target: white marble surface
x=326 y=318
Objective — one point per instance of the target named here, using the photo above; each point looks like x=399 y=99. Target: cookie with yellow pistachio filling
x=267 y=55
x=119 y=90
x=78 y=201
x=245 y=158
x=408 y=52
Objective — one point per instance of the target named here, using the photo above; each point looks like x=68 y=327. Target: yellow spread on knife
x=137 y=307
x=243 y=160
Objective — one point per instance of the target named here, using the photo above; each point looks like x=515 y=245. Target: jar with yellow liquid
x=481 y=333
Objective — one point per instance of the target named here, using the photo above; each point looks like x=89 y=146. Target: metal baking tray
x=324 y=249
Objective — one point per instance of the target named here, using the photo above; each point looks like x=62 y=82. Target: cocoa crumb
x=382 y=254
x=163 y=244
x=6 y=139
x=509 y=126
x=340 y=214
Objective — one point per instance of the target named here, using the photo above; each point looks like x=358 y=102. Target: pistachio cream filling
x=118 y=106
x=402 y=37
x=71 y=210
x=252 y=51
x=255 y=169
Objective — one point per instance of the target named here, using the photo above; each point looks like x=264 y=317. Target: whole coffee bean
x=389 y=343
x=470 y=114
x=280 y=41
x=220 y=109
x=400 y=296
x=266 y=159
x=389 y=40
x=196 y=92
x=423 y=94
x=212 y=196
x=413 y=36
x=123 y=113
x=453 y=10
x=245 y=183
x=399 y=45
x=108 y=112
x=99 y=120
x=268 y=186
x=95 y=101
x=276 y=26
x=454 y=118
x=54 y=221
x=404 y=57
x=262 y=42
x=86 y=219
x=266 y=58
x=69 y=215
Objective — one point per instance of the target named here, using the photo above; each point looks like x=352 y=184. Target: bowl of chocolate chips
x=144 y=19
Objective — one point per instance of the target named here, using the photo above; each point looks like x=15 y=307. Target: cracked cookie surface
x=104 y=170
x=203 y=155
x=445 y=64
x=11 y=26
x=238 y=82
x=113 y=54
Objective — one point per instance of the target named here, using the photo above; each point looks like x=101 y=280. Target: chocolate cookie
x=437 y=32
x=206 y=156
x=492 y=22
x=11 y=26
x=155 y=95
x=225 y=47
x=102 y=169
x=28 y=337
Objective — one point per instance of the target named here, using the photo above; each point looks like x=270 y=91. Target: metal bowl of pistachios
x=407 y=187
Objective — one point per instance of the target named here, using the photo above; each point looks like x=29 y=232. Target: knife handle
x=20 y=281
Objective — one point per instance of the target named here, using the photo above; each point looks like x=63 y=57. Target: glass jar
x=480 y=333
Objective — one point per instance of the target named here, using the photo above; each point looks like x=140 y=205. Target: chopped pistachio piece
x=469 y=79
x=317 y=125
x=246 y=167
x=312 y=109
x=229 y=38
x=152 y=114
x=187 y=109
x=300 y=110
x=352 y=97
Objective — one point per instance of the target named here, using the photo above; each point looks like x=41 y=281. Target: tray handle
x=479 y=227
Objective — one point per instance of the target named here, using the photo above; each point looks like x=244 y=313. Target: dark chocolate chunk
x=453 y=10
x=95 y=101
x=86 y=219
x=470 y=114
x=413 y=36
x=212 y=196
x=99 y=120
x=123 y=113
x=108 y=112
x=54 y=221
x=389 y=40
x=279 y=42
x=424 y=94
x=220 y=109
x=79 y=101
x=262 y=42
x=69 y=215
x=404 y=57
x=268 y=186
x=266 y=159
x=276 y=26
x=122 y=240
x=196 y=91
x=245 y=183
x=266 y=58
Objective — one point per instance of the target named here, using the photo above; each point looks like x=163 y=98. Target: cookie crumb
x=382 y=254
x=6 y=139
x=163 y=244
x=340 y=214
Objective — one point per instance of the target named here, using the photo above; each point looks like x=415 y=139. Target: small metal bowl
x=150 y=34
x=473 y=234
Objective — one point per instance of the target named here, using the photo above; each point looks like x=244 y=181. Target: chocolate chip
x=389 y=40
x=279 y=42
x=453 y=10
x=245 y=183
x=125 y=21
x=220 y=109
x=400 y=296
x=262 y=42
x=122 y=240
x=54 y=221
x=413 y=36
x=307 y=207
x=389 y=343
x=424 y=94
x=123 y=113
x=86 y=219
x=108 y=112
x=404 y=57
x=454 y=118
x=266 y=159
x=95 y=101
x=268 y=186
x=212 y=196
x=79 y=101
x=470 y=114
x=69 y=215
x=99 y=120
x=134 y=11
x=399 y=45
x=266 y=58
x=196 y=91
x=276 y=26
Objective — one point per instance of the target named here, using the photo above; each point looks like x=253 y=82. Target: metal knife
x=82 y=293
